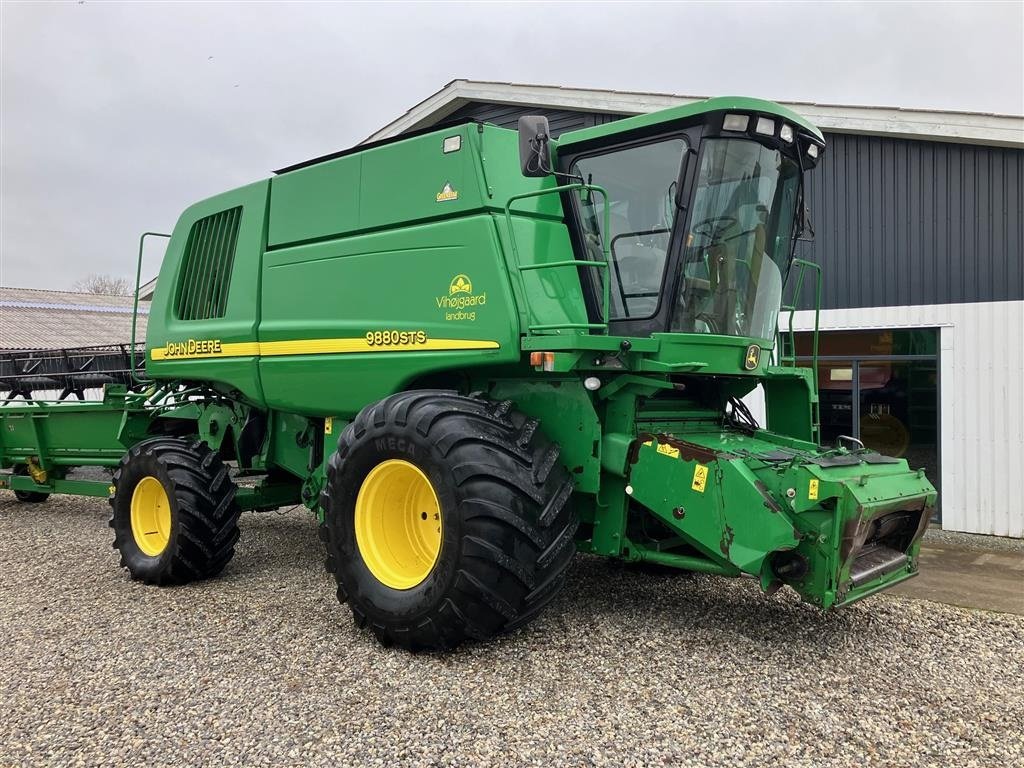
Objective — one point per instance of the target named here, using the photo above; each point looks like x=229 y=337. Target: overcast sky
x=114 y=117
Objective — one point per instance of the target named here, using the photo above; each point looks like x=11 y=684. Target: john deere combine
x=473 y=352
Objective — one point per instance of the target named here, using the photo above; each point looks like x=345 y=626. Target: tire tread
x=513 y=501
x=207 y=515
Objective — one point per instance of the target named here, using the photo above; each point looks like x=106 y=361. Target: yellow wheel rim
x=398 y=524
x=151 y=516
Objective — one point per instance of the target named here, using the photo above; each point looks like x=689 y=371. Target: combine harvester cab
x=701 y=211
x=472 y=352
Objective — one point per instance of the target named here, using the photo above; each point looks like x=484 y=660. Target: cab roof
x=717 y=104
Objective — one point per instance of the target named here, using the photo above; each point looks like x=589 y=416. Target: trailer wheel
x=28 y=497
x=31 y=497
x=174 y=514
x=446 y=519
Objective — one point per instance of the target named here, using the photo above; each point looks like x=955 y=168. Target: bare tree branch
x=105 y=284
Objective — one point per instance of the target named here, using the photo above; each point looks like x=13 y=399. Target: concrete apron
x=969 y=578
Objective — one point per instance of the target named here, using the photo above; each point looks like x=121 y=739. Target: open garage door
x=882 y=387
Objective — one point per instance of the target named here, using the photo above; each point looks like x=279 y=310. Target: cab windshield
x=737 y=247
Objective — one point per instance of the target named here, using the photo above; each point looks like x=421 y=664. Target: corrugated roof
x=914 y=123
x=31 y=318
x=663 y=94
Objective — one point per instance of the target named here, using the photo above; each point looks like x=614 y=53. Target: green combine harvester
x=473 y=352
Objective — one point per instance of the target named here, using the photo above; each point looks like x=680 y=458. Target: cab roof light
x=765 y=126
x=735 y=123
x=812 y=151
x=786 y=133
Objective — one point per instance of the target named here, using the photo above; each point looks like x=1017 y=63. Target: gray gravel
x=974 y=541
x=262 y=667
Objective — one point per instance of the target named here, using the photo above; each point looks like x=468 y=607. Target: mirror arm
x=539 y=143
x=573 y=176
x=540 y=148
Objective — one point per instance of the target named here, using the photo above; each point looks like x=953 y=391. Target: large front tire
x=174 y=514
x=502 y=540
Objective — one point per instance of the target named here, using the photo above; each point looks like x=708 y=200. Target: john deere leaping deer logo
x=460 y=284
x=460 y=303
x=752 y=358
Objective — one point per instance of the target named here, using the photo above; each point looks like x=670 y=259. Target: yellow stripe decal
x=190 y=351
x=342 y=346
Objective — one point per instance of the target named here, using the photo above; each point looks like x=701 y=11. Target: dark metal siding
x=507 y=116
x=898 y=222
x=903 y=222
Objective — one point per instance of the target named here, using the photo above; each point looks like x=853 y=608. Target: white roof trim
x=933 y=125
x=146 y=290
x=72 y=307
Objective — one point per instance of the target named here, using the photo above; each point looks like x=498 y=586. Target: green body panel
x=546 y=296
x=398 y=185
x=684 y=353
x=791 y=401
x=289 y=443
x=719 y=519
x=403 y=265
x=394 y=280
x=231 y=374
x=98 y=488
x=315 y=203
x=71 y=434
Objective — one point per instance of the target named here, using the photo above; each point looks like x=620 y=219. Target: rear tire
x=505 y=536
x=31 y=497
x=28 y=497
x=174 y=514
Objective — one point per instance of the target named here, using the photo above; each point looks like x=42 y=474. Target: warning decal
x=668 y=450
x=700 y=478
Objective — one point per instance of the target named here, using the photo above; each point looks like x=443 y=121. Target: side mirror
x=534 y=150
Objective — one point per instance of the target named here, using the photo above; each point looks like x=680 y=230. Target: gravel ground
x=974 y=541
x=262 y=667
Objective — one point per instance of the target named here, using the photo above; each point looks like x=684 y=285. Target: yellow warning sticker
x=328 y=425
x=812 y=490
x=668 y=450
x=700 y=478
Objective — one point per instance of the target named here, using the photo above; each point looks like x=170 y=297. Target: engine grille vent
x=206 y=274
